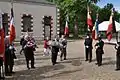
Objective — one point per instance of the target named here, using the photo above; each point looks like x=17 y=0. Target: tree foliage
x=77 y=12
x=106 y=12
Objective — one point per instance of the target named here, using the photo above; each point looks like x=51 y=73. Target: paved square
x=74 y=68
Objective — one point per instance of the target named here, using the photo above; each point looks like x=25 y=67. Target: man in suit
x=117 y=47
x=88 y=48
x=63 y=42
x=55 y=49
x=99 y=51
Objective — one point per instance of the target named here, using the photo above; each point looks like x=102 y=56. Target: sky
x=116 y=4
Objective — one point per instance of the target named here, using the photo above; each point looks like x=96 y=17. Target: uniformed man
x=63 y=43
x=21 y=43
x=9 y=59
x=117 y=47
x=55 y=49
x=99 y=51
x=29 y=51
x=88 y=48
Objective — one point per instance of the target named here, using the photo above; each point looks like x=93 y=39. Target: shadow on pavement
x=64 y=73
x=109 y=63
x=36 y=54
x=34 y=74
x=106 y=58
x=43 y=58
x=69 y=60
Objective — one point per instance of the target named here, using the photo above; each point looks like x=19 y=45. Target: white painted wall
x=37 y=11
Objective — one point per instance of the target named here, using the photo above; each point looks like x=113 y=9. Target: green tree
x=77 y=12
x=104 y=13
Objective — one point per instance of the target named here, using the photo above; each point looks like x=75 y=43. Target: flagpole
x=0 y=19
x=87 y=15
x=12 y=3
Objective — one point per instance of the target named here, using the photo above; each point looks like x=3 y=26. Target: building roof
x=31 y=1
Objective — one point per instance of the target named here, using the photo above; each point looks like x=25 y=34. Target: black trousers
x=1 y=68
x=118 y=61
x=54 y=57
x=99 y=56
x=8 y=68
x=21 y=50
x=32 y=61
x=88 y=54
x=63 y=52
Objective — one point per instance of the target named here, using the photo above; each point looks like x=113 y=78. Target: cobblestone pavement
x=74 y=68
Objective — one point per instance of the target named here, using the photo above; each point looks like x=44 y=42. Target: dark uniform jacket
x=21 y=41
x=55 y=46
x=9 y=60
x=28 y=50
x=118 y=50
x=88 y=42
x=100 y=45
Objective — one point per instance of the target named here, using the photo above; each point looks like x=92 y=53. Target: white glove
x=87 y=46
x=10 y=47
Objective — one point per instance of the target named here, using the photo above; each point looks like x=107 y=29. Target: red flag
x=111 y=26
x=12 y=28
x=66 y=31
x=2 y=44
x=89 y=20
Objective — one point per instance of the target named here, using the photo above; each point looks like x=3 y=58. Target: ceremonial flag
x=66 y=31
x=95 y=30
x=2 y=44
x=89 y=20
x=111 y=27
x=12 y=28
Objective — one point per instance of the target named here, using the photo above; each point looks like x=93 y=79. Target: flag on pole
x=111 y=27
x=89 y=20
x=95 y=30
x=2 y=44
x=66 y=31
x=12 y=28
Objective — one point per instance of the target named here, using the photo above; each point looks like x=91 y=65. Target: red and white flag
x=66 y=31
x=2 y=44
x=89 y=20
x=111 y=27
x=12 y=28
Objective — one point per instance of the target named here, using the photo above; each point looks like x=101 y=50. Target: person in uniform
x=9 y=57
x=55 y=50
x=63 y=42
x=99 y=51
x=29 y=52
x=88 y=48
x=13 y=56
x=117 y=47
x=21 y=43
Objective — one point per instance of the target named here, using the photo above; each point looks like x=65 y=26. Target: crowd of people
x=55 y=46
x=7 y=62
x=28 y=46
x=52 y=48
x=99 y=51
